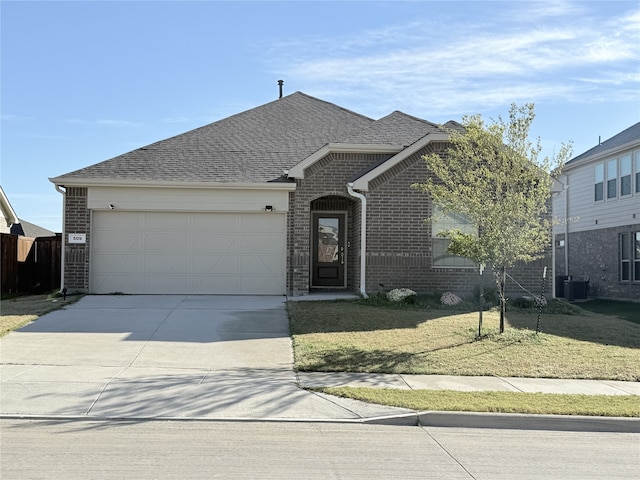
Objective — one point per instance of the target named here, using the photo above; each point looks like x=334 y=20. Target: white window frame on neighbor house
x=612 y=179
x=625 y=175
x=440 y=222
x=637 y=155
x=598 y=193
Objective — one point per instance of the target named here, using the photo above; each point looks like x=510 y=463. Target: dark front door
x=328 y=252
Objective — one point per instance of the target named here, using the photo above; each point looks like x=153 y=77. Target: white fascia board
x=297 y=171
x=362 y=183
x=602 y=155
x=94 y=182
x=8 y=212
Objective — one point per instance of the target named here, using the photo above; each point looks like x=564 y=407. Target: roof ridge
x=328 y=103
x=428 y=122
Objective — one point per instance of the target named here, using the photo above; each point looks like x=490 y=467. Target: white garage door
x=188 y=253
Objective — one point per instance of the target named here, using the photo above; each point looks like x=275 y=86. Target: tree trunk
x=501 y=280
x=481 y=303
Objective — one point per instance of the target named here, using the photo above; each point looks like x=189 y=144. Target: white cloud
x=104 y=122
x=175 y=120
x=546 y=52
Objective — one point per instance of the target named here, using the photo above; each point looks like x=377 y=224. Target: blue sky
x=84 y=81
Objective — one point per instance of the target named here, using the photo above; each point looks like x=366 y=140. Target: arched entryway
x=332 y=252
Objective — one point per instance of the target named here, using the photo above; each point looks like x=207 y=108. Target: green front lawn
x=361 y=336
x=374 y=336
x=496 y=402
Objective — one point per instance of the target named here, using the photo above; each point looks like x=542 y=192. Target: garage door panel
x=104 y=241
x=223 y=285
x=127 y=264
x=207 y=253
x=264 y=243
x=256 y=265
x=117 y=283
x=166 y=284
x=219 y=243
x=263 y=223
x=221 y=222
x=169 y=264
x=165 y=242
x=166 y=222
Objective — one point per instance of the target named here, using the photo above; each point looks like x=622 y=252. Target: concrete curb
x=423 y=419
x=516 y=421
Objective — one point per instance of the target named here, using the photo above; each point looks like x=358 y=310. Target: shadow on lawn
x=597 y=329
x=355 y=360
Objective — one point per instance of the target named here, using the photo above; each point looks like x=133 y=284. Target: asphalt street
x=279 y=450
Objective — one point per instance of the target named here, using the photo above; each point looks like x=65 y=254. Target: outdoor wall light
x=111 y=206
x=268 y=208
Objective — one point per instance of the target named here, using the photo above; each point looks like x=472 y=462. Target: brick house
x=599 y=237
x=290 y=197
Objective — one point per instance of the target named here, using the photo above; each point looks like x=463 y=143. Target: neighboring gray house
x=598 y=237
x=292 y=196
x=13 y=225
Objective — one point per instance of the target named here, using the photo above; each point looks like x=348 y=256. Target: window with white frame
x=440 y=254
x=625 y=175
x=638 y=172
x=612 y=178
x=629 y=248
x=598 y=190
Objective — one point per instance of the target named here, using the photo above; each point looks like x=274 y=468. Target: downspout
x=62 y=243
x=363 y=238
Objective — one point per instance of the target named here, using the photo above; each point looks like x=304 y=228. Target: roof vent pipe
x=280 y=83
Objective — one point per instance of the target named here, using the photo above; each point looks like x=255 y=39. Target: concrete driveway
x=173 y=356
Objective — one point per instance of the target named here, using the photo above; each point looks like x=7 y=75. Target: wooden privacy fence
x=30 y=265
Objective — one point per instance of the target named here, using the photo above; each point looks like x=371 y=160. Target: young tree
x=492 y=176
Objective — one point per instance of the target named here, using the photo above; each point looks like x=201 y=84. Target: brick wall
x=76 y=255
x=326 y=178
x=398 y=239
x=594 y=254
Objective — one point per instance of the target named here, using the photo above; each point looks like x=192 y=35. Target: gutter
x=62 y=243
x=363 y=238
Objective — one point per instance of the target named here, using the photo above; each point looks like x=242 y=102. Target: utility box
x=560 y=279
x=576 y=289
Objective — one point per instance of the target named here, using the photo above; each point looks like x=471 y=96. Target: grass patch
x=497 y=402
x=615 y=308
x=16 y=312
x=354 y=336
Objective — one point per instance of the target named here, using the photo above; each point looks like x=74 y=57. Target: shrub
x=450 y=299
x=402 y=294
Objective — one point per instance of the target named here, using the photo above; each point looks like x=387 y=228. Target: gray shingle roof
x=396 y=128
x=252 y=146
x=626 y=136
x=34 y=231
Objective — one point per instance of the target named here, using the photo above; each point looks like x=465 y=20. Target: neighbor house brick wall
x=602 y=264
x=76 y=255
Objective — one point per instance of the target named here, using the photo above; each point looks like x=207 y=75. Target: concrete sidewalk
x=217 y=358
x=468 y=384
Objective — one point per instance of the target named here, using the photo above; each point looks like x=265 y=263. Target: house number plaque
x=77 y=238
